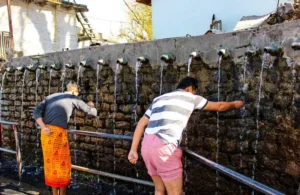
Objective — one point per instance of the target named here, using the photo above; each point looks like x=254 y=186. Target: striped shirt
x=169 y=114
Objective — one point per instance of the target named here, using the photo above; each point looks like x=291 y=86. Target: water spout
x=20 y=68
x=103 y=62
x=10 y=69
x=168 y=58
x=296 y=46
x=143 y=59
x=85 y=64
x=122 y=61
x=224 y=53
x=196 y=55
x=274 y=50
x=56 y=66
x=252 y=52
x=31 y=67
x=42 y=67
x=70 y=66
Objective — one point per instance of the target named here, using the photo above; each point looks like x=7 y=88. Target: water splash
x=257 y=115
x=218 y=122
x=189 y=65
x=162 y=64
x=1 y=93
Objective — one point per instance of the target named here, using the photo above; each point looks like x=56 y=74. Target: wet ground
x=10 y=186
x=85 y=184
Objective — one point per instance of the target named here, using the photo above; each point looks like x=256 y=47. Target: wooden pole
x=10 y=23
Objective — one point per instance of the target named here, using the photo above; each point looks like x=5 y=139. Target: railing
x=5 y=43
x=233 y=174
x=17 y=152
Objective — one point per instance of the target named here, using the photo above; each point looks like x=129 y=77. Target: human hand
x=239 y=104
x=47 y=131
x=91 y=104
x=133 y=156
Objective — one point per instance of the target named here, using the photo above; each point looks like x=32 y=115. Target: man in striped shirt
x=163 y=123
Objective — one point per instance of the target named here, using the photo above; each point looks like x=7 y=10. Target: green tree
x=139 y=27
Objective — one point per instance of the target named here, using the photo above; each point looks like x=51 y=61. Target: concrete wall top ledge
x=181 y=47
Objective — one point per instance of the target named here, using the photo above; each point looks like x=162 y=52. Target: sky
x=106 y=16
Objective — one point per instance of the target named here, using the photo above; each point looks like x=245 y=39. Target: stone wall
x=268 y=134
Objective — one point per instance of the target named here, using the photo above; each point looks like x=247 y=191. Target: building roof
x=79 y=7
x=146 y=2
x=64 y=3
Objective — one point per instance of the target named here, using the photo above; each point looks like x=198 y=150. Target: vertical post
x=18 y=152
x=10 y=23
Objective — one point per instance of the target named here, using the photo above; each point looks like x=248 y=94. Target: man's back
x=169 y=114
x=57 y=108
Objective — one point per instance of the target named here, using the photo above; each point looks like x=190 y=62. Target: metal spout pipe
x=85 y=64
x=224 y=53
x=143 y=59
x=20 y=68
x=169 y=58
x=10 y=69
x=42 y=67
x=102 y=62
x=122 y=61
x=31 y=67
x=296 y=46
x=252 y=52
x=274 y=50
x=56 y=66
x=70 y=66
x=195 y=55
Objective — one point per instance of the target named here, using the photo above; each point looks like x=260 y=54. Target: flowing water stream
x=218 y=122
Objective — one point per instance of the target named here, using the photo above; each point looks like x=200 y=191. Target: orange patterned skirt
x=57 y=160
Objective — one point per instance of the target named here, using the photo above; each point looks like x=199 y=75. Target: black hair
x=188 y=81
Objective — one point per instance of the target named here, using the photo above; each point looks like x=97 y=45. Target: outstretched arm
x=139 y=131
x=87 y=108
x=223 y=106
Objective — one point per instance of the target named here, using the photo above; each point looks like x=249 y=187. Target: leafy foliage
x=140 y=23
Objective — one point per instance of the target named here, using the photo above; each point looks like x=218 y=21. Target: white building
x=181 y=17
x=42 y=26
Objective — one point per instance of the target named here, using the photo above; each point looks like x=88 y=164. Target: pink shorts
x=161 y=159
